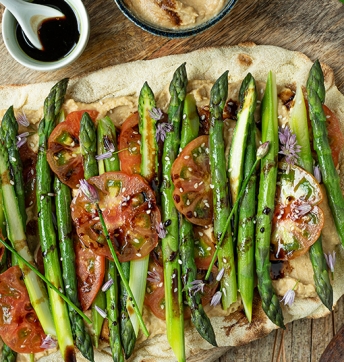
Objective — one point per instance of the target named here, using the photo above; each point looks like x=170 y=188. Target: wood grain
x=313 y=27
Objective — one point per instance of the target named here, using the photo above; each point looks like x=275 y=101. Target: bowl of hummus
x=175 y=18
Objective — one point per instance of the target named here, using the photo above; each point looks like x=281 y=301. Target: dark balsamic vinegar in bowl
x=58 y=36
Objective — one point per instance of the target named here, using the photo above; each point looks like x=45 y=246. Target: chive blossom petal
x=89 y=191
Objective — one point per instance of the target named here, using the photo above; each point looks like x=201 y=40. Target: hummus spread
x=175 y=14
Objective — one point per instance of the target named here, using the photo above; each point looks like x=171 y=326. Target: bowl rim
x=174 y=33
x=10 y=40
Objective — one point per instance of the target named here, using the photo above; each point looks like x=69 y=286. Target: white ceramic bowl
x=9 y=24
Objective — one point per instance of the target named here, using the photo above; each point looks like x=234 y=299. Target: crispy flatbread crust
x=291 y=68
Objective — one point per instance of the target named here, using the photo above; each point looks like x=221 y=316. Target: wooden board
x=310 y=26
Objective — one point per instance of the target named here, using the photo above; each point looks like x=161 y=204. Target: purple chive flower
x=220 y=275
x=22 y=139
x=109 y=146
x=153 y=277
x=300 y=209
x=48 y=342
x=317 y=173
x=107 y=285
x=162 y=232
x=89 y=191
x=331 y=260
x=22 y=120
x=101 y=311
x=263 y=149
x=156 y=113
x=215 y=300
x=289 y=297
x=162 y=129
x=289 y=146
x=103 y=156
x=110 y=149
x=197 y=286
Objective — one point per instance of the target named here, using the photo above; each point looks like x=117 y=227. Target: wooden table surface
x=311 y=26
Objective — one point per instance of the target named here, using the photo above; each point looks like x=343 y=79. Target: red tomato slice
x=155 y=291
x=20 y=328
x=90 y=271
x=297 y=220
x=192 y=193
x=64 y=155
x=130 y=138
x=130 y=213
x=334 y=133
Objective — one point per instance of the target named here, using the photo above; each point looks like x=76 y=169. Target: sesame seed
x=134 y=149
x=180 y=262
x=31 y=203
x=200 y=183
x=136 y=241
x=203 y=117
x=181 y=189
x=42 y=197
x=190 y=169
x=200 y=233
x=209 y=248
x=167 y=158
x=101 y=103
x=196 y=185
x=224 y=260
x=160 y=284
x=72 y=144
x=186 y=157
x=173 y=275
x=12 y=182
x=13 y=159
x=203 y=144
x=187 y=202
x=32 y=144
x=139 y=255
x=175 y=290
x=148 y=212
x=184 y=116
x=135 y=132
x=211 y=186
x=195 y=214
x=224 y=291
x=112 y=159
x=162 y=306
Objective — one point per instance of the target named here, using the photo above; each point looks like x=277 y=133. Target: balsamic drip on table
x=58 y=35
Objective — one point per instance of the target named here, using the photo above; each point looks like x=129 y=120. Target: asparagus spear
x=190 y=128
x=10 y=127
x=88 y=147
x=149 y=170
x=247 y=99
x=266 y=203
x=246 y=227
x=121 y=329
x=330 y=177
x=37 y=292
x=7 y=354
x=52 y=107
x=218 y=97
x=299 y=125
x=64 y=226
x=173 y=285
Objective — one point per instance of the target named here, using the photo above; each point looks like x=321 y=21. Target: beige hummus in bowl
x=175 y=18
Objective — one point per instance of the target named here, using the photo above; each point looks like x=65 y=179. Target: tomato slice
x=192 y=193
x=130 y=213
x=130 y=138
x=204 y=246
x=297 y=220
x=90 y=271
x=155 y=291
x=20 y=328
x=335 y=135
x=64 y=155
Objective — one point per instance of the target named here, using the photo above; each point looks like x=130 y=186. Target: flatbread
x=118 y=88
